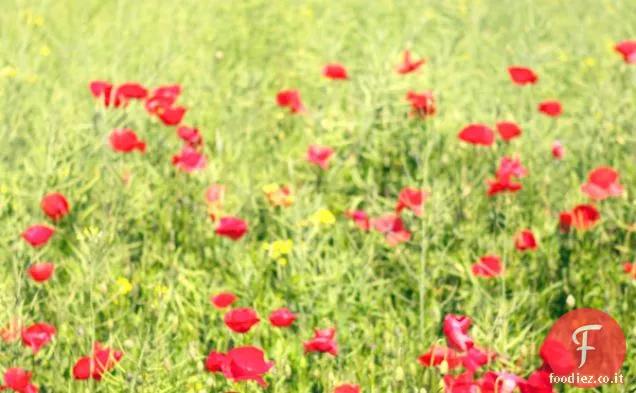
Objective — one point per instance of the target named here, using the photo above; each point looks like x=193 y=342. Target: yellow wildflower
x=323 y=216
x=125 y=286
x=45 y=51
x=9 y=72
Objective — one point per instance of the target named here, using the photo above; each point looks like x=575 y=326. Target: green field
x=137 y=259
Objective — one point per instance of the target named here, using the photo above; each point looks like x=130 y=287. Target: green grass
x=387 y=303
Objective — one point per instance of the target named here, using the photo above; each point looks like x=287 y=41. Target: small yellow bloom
x=45 y=51
x=4 y=189
x=279 y=248
x=125 y=286
x=38 y=21
x=563 y=56
x=270 y=188
x=590 y=62
x=9 y=72
x=282 y=261
x=323 y=216
x=161 y=290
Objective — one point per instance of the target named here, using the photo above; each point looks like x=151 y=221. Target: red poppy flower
x=171 y=92
x=172 y=116
x=38 y=335
x=422 y=104
x=551 y=108
x=41 y=272
x=538 y=382
x=347 y=388
x=231 y=227
x=189 y=160
x=190 y=135
x=462 y=383
x=38 y=235
x=323 y=341
x=437 y=355
x=214 y=362
x=630 y=268
x=125 y=141
x=246 y=364
x=456 y=332
x=102 y=361
x=522 y=75
x=475 y=358
x=477 y=134
x=393 y=228
x=55 y=206
x=556 y=358
x=558 y=151
x=156 y=104
x=129 y=91
x=241 y=320
x=11 y=331
x=290 y=99
x=493 y=382
x=508 y=130
x=565 y=221
x=360 y=219
x=162 y=104
x=511 y=167
x=282 y=317
x=488 y=266
x=524 y=240
x=582 y=217
x=628 y=50
x=280 y=196
x=502 y=185
x=409 y=65
x=508 y=168
x=335 y=71
x=319 y=155
x=602 y=183
x=18 y=380
x=102 y=90
x=223 y=299
x=411 y=198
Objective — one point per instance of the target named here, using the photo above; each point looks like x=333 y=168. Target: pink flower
x=558 y=151
x=456 y=332
x=189 y=160
x=38 y=335
x=319 y=155
x=38 y=235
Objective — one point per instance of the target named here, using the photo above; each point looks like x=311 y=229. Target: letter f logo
x=583 y=346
